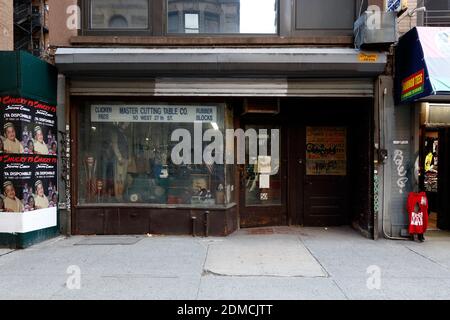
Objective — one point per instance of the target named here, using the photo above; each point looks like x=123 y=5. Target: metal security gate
x=225 y=87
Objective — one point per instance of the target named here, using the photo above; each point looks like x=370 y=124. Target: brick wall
x=407 y=23
x=6 y=25
x=60 y=34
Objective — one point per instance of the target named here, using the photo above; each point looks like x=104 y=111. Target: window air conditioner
x=375 y=29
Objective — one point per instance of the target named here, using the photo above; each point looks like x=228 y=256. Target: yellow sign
x=364 y=57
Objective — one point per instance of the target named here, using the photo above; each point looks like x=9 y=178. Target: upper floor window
x=437 y=14
x=191 y=22
x=325 y=14
x=119 y=14
x=222 y=16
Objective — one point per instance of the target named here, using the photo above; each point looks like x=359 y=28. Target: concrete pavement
x=267 y=263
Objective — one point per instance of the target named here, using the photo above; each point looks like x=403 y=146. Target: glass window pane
x=226 y=17
x=262 y=189
x=173 y=22
x=126 y=155
x=191 y=23
x=119 y=14
x=325 y=14
x=431 y=161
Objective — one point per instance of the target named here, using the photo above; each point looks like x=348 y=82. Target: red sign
x=413 y=85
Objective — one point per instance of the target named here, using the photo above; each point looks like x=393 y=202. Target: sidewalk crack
x=9 y=252
x=202 y=273
x=340 y=289
x=428 y=258
x=327 y=274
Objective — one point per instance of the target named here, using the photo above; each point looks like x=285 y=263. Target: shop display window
x=431 y=161
x=124 y=155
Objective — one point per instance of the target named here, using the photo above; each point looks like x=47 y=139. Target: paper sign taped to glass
x=264 y=165
x=264 y=181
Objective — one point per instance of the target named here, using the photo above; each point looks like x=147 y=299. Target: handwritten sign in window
x=326 y=151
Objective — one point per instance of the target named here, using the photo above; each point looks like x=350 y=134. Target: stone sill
x=187 y=41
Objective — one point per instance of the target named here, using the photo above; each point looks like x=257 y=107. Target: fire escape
x=29 y=26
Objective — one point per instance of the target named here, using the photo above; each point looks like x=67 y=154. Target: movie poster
x=28 y=155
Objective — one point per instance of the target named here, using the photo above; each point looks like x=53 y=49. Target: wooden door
x=325 y=181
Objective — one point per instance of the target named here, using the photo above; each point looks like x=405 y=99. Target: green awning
x=24 y=75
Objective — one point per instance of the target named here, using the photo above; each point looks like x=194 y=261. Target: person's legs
x=421 y=237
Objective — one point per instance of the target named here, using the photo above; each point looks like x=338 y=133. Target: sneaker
x=421 y=238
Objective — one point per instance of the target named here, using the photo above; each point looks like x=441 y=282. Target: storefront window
x=125 y=155
x=431 y=161
x=214 y=16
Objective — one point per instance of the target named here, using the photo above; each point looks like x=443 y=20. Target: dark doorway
x=325 y=176
x=435 y=175
x=443 y=219
x=330 y=162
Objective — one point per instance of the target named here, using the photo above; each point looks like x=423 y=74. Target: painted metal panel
x=295 y=62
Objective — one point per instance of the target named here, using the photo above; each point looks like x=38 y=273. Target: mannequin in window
x=121 y=155
x=90 y=164
x=106 y=165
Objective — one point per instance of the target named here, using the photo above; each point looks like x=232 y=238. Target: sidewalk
x=268 y=263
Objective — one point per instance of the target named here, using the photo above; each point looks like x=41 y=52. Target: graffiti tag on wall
x=401 y=170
